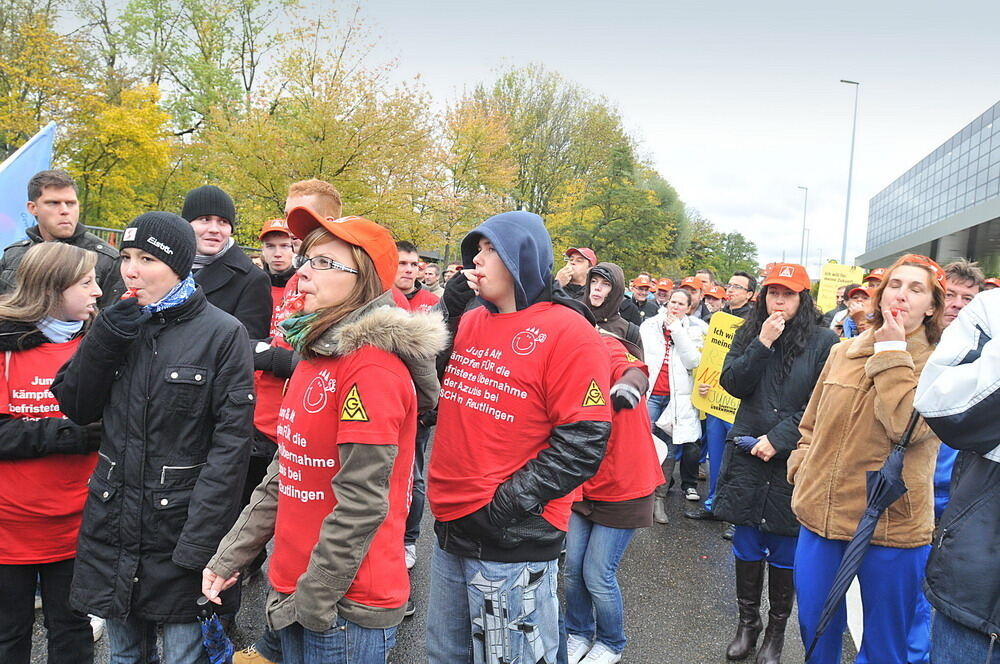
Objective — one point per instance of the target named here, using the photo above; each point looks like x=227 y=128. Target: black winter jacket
x=752 y=492
x=240 y=288
x=177 y=406
x=108 y=276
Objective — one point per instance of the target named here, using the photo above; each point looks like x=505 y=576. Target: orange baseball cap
x=664 y=284
x=642 y=280
x=993 y=281
x=274 y=226
x=877 y=273
x=790 y=275
x=860 y=289
x=718 y=292
x=585 y=252
x=376 y=240
x=693 y=283
x=923 y=260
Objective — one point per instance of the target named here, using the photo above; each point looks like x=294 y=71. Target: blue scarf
x=59 y=331
x=179 y=294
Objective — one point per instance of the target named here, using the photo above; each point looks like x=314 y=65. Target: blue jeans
x=890 y=582
x=751 y=544
x=716 y=431
x=656 y=404
x=954 y=643
x=593 y=598
x=133 y=641
x=485 y=612
x=345 y=643
x=419 y=492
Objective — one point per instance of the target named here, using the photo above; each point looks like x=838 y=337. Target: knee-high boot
x=660 y=495
x=749 y=584
x=781 y=592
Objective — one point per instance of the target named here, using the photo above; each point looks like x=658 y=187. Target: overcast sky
x=736 y=103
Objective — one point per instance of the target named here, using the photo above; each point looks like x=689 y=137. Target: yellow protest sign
x=718 y=341
x=832 y=277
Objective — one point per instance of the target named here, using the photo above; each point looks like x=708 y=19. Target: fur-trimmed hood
x=416 y=338
x=15 y=336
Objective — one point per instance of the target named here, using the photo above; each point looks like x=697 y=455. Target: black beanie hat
x=165 y=236
x=208 y=200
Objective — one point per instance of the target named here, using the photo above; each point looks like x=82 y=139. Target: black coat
x=752 y=492
x=177 y=407
x=240 y=288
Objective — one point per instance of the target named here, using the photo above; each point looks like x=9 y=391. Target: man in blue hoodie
x=523 y=420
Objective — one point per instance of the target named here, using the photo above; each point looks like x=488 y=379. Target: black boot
x=749 y=583
x=660 y=495
x=781 y=591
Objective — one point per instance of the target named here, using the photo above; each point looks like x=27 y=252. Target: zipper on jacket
x=989 y=653
x=944 y=531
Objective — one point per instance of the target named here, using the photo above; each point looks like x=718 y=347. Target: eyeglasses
x=736 y=287
x=324 y=263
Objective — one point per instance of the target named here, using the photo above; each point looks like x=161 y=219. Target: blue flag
x=15 y=172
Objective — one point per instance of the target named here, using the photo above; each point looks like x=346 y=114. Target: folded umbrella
x=885 y=486
x=745 y=443
x=218 y=647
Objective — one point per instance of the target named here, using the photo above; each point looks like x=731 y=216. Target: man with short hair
x=408 y=290
x=715 y=298
x=52 y=201
x=841 y=300
x=228 y=277
x=663 y=289
x=707 y=278
x=573 y=276
x=523 y=421
x=641 y=289
x=739 y=291
x=432 y=279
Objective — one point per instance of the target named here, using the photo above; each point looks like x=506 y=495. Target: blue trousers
x=954 y=643
x=890 y=583
x=751 y=544
x=594 y=608
x=716 y=431
x=344 y=643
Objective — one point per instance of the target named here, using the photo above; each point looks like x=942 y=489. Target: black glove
x=274 y=359
x=457 y=295
x=92 y=435
x=624 y=396
x=125 y=317
x=263 y=355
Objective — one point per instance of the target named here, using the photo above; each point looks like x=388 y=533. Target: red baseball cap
x=860 y=289
x=642 y=280
x=664 y=284
x=585 y=252
x=877 y=273
x=693 y=283
x=919 y=259
x=790 y=275
x=274 y=226
x=376 y=240
x=718 y=292
x=993 y=281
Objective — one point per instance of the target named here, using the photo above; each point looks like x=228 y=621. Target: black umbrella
x=218 y=647
x=885 y=486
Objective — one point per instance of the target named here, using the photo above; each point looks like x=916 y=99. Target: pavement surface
x=677 y=581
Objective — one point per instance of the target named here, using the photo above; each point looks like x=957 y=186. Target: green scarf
x=297 y=328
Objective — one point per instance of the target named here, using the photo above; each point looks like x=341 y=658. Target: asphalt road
x=679 y=599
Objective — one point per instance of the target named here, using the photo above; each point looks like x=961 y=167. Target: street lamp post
x=850 y=169
x=802 y=244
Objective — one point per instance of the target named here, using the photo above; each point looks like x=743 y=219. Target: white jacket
x=680 y=418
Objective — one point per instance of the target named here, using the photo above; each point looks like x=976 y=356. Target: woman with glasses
x=857 y=413
x=335 y=499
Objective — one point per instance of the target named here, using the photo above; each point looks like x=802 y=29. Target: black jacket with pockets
x=237 y=286
x=177 y=407
x=752 y=492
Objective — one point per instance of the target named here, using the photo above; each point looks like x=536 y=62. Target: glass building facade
x=953 y=182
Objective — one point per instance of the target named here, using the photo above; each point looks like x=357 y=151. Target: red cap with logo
x=642 y=280
x=877 y=273
x=919 y=259
x=585 y=252
x=664 y=284
x=274 y=226
x=790 y=275
x=993 y=281
x=718 y=292
x=694 y=283
x=860 y=289
x=376 y=240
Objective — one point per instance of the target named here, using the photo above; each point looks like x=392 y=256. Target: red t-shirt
x=511 y=379
x=630 y=468
x=422 y=300
x=41 y=500
x=662 y=385
x=366 y=397
x=269 y=388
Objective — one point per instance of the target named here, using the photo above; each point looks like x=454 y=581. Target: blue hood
x=524 y=247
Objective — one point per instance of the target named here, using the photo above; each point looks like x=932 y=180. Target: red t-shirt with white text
x=630 y=468
x=366 y=397
x=41 y=500
x=269 y=388
x=511 y=379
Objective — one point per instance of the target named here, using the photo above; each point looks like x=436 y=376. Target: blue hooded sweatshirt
x=524 y=246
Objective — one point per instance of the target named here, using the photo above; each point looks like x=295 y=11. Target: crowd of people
x=175 y=418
